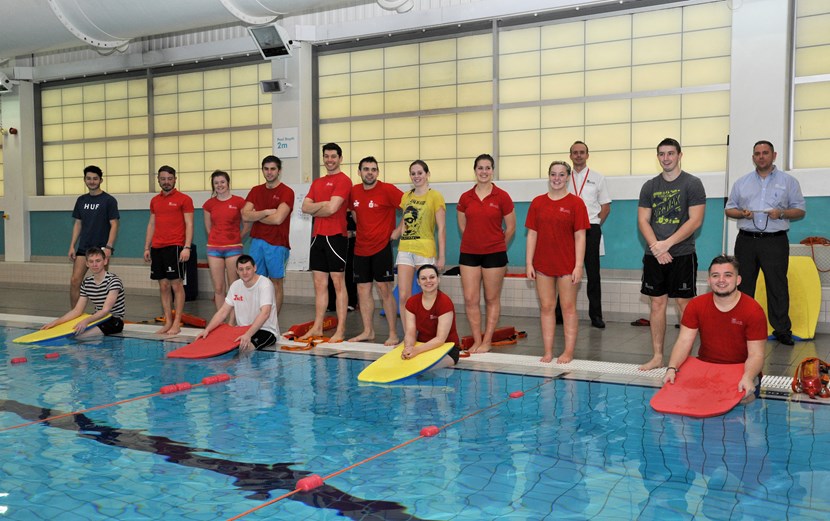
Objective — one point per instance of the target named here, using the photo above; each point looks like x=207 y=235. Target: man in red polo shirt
x=167 y=246
x=373 y=205
x=326 y=202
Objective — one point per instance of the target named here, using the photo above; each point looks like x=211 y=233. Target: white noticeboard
x=300 y=232
x=285 y=142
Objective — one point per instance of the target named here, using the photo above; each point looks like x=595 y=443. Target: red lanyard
x=579 y=194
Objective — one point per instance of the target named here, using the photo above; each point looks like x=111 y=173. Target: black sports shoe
x=597 y=322
x=785 y=338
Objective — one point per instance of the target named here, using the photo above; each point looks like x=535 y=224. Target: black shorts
x=483 y=260
x=677 y=278
x=379 y=267
x=112 y=326
x=263 y=338
x=328 y=253
x=164 y=263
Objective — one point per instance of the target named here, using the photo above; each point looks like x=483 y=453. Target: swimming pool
x=568 y=449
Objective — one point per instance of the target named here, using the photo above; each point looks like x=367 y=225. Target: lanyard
x=579 y=194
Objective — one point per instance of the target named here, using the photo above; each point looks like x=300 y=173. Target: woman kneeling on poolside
x=430 y=319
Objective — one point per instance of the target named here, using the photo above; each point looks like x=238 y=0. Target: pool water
x=567 y=449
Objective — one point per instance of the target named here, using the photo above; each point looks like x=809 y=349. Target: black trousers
x=593 y=235
x=770 y=254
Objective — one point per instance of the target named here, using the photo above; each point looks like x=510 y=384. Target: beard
x=724 y=293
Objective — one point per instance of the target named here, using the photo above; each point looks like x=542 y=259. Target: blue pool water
x=567 y=450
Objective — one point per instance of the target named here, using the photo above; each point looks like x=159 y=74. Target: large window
x=811 y=96
x=621 y=83
x=197 y=122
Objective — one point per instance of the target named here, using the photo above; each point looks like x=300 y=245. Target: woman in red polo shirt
x=225 y=230
x=556 y=224
x=487 y=221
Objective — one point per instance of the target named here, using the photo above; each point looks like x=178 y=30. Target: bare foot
x=547 y=358
x=311 y=333
x=366 y=336
x=164 y=329
x=175 y=329
x=482 y=348
x=654 y=363
x=392 y=341
x=336 y=337
x=565 y=358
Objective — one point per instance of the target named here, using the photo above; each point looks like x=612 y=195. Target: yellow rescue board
x=805 y=296
x=392 y=368
x=60 y=331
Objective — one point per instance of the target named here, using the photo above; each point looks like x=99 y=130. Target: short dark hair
x=562 y=163
x=169 y=169
x=272 y=159
x=725 y=259
x=427 y=267
x=669 y=141
x=333 y=146
x=95 y=250
x=579 y=143
x=419 y=162
x=93 y=169
x=245 y=259
x=764 y=142
x=484 y=157
x=367 y=159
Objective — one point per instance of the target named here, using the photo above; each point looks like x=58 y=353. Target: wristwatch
x=110 y=248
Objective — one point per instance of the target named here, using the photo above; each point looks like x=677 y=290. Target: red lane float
x=50 y=356
x=429 y=431
x=517 y=394
x=309 y=483
x=20 y=360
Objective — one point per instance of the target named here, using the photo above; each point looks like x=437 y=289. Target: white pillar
x=19 y=169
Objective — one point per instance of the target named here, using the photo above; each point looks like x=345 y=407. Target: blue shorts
x=270 y=260
x=224 y=252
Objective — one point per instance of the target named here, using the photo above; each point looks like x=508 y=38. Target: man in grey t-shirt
x=671 y=209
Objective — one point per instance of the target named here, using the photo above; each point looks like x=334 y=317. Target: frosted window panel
x=72 y=113
x=73 y=151
x=361 y=149
x=166 y=159
x=656 y=108
x=367 y=60
x=52 y=170
x=120 y=148
x=519 y=65
x=608 y=137
x=397 y=173
x=612 y=162
x=475 y=46
x=191 y=82
x=706 y=104
x=167 y=145
x=656 y=49
x=73 y=168
x=568 y=59
x=93 y=93
x=217 y=118
x=73 y=131
x=438 y=98
x=137 y=107
x=243 y=139
x=217 y=98
x=810 y=154
x=814 y=30
x=648 y=134
x=94 y=111
x=519 y=142
x=191 y=101
x=402 y=101
x=190 y=182
x=563 y=35
x=400 y=55
x=52 y=133
x=115 y=90
x=189 y=121
x=138 y=184
x=471 y=145
x=571 y=114
x=367 y=104
x=402 y=78
x=334 y=107
x=612 y=111
x=72 y=96
x=51 y=115
x=246 y=178
x=705 y=72
x=521 y=167
x=475 y=70
x=610 y=81
x=53 y=187
x=438 y=51
x=644 y=162
x=655 y=77
x=812 y=96
x=704 y=131
x=117 y=109
x=663 y=21
x=704 y=158
x=244 y=116
x=811 y=7
x=438 y=125
x=220 y=160
x=219 y=78
x=515 y=91
x=116 y=166
x=166 y=104
x=472 y=122
x=812 y=61
x=244 y=95
x=705 y=44
x=118 y=184
x=811 y=124
x=608 y=29
x=266 y=138
x=333 y=64
x=51 y=152
x=519 y=119
x=401 y=149
x=438 y=147
x=137 y=88
x=165 y=85
x=475 y=94
x=192 y=162
x=191 y=143
x=334 y=132
x=436 y=74
x=139 y=146
x=138 y=165
x=364 y=82
x=51 y=98
x=562 y=86
x=266 y=114
x=247 y=75
x=715 y=14
x=442 y=171
x=519 y=40
x=560 y=140
x=607 y=55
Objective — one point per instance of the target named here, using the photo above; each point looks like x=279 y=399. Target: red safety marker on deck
x=20 y=360
x=309 y=483
x=429 y=431
x=50 y=356
x=517 y=394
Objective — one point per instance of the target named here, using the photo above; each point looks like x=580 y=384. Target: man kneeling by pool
x=251 y=297
x=429 y=317
x=732 y=326
x=106 y=291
